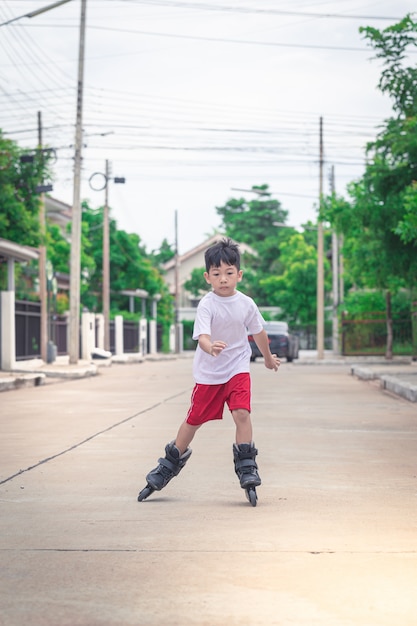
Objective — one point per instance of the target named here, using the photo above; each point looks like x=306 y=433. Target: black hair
x=226 y=251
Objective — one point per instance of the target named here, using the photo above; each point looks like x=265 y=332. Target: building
x=58 y=213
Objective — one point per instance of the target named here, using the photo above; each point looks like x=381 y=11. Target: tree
x=20 y=174
x=379 y=224
x=131 y=267
x=197 y=284
x=294 y=291
x=260 y=223
x=384 y=198
x=253 y=221
x=165 y=253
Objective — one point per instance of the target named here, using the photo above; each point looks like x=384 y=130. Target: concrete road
x=332 y=542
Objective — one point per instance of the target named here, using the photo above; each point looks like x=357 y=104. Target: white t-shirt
x=227 y=319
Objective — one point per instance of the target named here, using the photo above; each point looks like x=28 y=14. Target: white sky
x=189 y=99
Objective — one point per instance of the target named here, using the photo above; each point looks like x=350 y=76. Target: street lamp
x=99 y=186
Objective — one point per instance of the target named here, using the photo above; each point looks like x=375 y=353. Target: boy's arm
x=272 y=362
x=211 y=347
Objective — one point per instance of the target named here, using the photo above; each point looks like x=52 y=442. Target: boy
x=221 y=368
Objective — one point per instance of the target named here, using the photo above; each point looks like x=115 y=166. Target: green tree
x=379 y=224
x=131 y=268
x=165 y=253
x=251 y=221
x=260 y=223
x=197 y=284
x=20 y=174
x=19 y=200
x=294 y=290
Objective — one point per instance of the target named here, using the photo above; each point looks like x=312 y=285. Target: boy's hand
x=217 y=347
x=272 y=362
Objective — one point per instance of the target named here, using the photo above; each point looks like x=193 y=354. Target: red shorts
x=207 y=401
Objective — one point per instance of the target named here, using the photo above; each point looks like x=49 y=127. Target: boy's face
x=223 y=279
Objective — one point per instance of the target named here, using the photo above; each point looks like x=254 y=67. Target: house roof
x=53 y=204
x=202 y=247
x=12 y=250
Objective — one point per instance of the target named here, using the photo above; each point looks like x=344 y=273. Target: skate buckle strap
x=246 y=463
x=173 y=467
x=250 y=454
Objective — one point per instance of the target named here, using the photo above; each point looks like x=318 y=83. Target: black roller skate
x=168 y=467
x=246 y=469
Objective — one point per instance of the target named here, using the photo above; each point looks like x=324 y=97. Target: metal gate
x=369 y=336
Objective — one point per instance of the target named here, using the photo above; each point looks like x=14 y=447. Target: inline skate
x=246 y=469
x=167 y=468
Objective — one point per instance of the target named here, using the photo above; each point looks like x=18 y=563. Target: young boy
x=221 y=368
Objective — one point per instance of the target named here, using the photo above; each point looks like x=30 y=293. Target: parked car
x=281 y=341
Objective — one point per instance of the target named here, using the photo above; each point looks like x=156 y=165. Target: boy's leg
x=244 y=451
x=185 y=436
x=243 y=424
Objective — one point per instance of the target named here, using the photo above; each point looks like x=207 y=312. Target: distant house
x=58 y=213
x=184 y=266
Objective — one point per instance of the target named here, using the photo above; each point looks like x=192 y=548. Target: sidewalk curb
x=400 y=387
x=7 y=383
x=389 y=381
x=35 y=372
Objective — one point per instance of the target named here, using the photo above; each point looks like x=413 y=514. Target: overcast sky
x=191 y=99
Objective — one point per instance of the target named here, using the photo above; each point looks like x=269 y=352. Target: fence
x=28 y=332
x=368 y=337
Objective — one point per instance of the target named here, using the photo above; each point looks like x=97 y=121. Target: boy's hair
x=225 y=250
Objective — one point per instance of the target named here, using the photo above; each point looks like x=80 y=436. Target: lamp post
x=106 y=244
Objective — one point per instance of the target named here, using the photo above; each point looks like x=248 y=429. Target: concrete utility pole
x=106 y=244
x=106 y=262
x=75 y=261
x=178 y=336
x=43 y=296
x=335 y=278
x=320 y=260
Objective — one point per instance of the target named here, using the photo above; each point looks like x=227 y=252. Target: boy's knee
x=241 y=415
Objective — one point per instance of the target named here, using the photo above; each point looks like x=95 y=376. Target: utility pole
x=320 y=259
x=75 y=260
x=335 y=277
x=177 y=290
x=106 y=262
x=43 y=295
x=106 y=243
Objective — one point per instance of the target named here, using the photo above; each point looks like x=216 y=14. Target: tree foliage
x=380 y=223
x=165 y=253
x=197 y=284
x=282 y=269
x=294 y=290
x=19 y=200
x=131 y=267
x=254 y=220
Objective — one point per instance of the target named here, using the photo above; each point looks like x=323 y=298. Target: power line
x=259 y=10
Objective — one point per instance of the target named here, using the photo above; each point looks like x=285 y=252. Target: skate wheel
x=251 y=495
x=146 y=491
